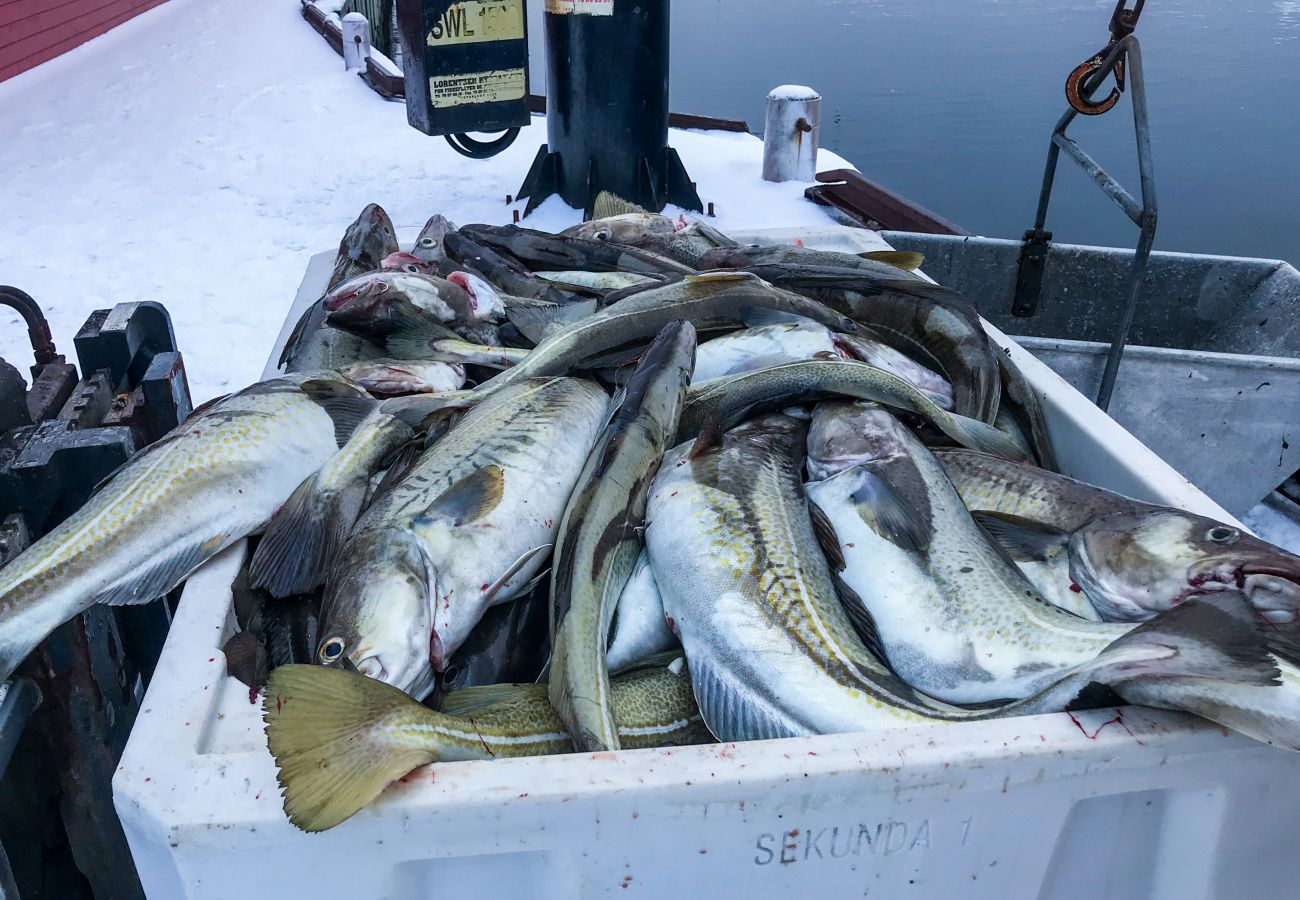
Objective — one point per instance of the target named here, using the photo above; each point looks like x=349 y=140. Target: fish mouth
x=1272 y=585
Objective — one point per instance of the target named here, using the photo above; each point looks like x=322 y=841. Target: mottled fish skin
x=933 y=325
x=1131 y=559
x=761 y=347
x=542 y=250
x=729 y=400
x=210 y=482
x=626 y=228
x=638 y=629
x=399 y=377
x=311 y=345
x=365 y=244
x=428 y=243
x=599 y=537
x=411 y=583
x=770 y=649
x=636 y=319
x=599 y=281
x=956 y=619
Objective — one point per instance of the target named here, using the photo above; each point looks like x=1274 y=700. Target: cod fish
x=399 y=377
x=311 y=345
x=208 y=483
x=467 y=525
x=724 y=402
x=771 y=650
x=428 y=243
x=339 y=739
x=598 y=281
x=508 y=645
x=305 y=535
x=543 y=250
x=599 y=536
x=886 y=265
x=638 y=629
x=931 y=324
x=632 y=322
x=1131 y=559
x=504 y=272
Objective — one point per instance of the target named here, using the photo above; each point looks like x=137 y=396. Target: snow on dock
x=201 y=153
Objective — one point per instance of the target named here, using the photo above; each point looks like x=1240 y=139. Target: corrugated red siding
x=33 y=31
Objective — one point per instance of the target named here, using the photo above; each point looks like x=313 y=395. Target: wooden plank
x=46 y=45
x=874 y=205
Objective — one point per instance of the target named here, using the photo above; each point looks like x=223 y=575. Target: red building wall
x=33 y=31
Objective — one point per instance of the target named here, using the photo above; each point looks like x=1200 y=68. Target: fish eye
x=412 y=268
x=449 y=677
x=427 y=242
x=603 y=234
x=331 y=650
x=1221 y=534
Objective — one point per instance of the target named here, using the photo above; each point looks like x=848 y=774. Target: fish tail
x=977 y=435
x=590 y=722
x=323 y=726
x=304 y=537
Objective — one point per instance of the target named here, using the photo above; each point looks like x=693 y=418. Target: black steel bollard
x=607 y=108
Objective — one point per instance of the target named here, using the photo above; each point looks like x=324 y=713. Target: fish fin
x=413 y=331
x=536 y=322
x=468 y=500
x=976 y=435
x=728 y=713
x=332 y=759
x=304 y=538
x=718 y=276
x=473 y=699
x=416 y=409
x=704 y=229
x=863 y=622
x=899 y=259
x=887 y=514
x=515 y=568
x=403 y=458
x=708 y=440
x=1024 y=539
x=827 y=539
x=246 y=659
x=1214 y=636
x=346 y=405
x=154 y=578
x=309 y=321
x=609 y=204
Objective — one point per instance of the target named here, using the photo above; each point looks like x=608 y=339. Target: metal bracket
x=1125 y=52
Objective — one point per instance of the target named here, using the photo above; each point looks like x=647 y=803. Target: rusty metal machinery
x=65 y=718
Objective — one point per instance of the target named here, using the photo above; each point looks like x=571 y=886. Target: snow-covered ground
x=199 y=154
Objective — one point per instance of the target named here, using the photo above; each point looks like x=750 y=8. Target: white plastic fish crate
x=1129 y=803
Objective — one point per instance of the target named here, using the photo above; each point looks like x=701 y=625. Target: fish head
x=485 y=301
x=396 y=378
x=376 y=613
x=1133 y=565
x=408 y=262
x=369 y=287
x=845 y=434
x=630 y=229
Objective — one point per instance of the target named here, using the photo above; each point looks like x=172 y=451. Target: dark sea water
x=950 y=103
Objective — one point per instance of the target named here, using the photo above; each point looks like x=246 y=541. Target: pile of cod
x=636 y=485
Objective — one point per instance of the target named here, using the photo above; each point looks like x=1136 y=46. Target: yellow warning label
x=580 y=7
x=477 y=87
x=475 y=21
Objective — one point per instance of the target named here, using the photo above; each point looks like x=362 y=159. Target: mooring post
x=790 y=133
x=356 y=41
